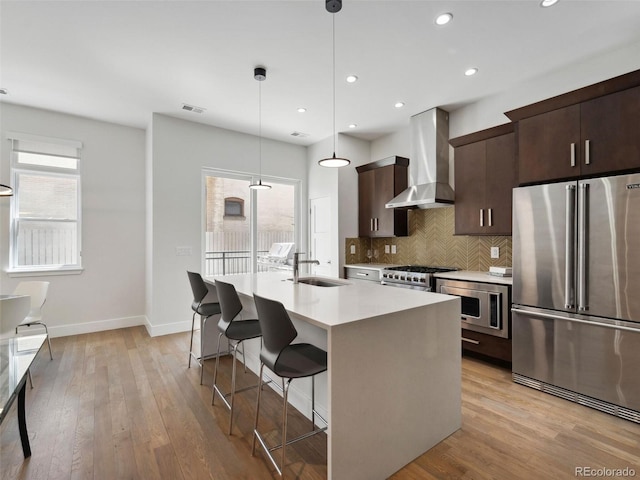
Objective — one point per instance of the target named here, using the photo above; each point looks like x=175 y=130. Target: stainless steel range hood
x=428 y=164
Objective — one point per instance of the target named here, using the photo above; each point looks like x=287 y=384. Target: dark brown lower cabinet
x=487 y=345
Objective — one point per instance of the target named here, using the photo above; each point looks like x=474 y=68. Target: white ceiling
x=120 y=61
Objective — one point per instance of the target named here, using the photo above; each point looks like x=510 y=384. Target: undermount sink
x=319 y=282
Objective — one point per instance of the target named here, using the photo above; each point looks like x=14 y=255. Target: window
x=234 y=207
x=45 y=212
x=242 y=226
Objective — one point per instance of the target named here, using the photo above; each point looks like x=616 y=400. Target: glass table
x=16 y=356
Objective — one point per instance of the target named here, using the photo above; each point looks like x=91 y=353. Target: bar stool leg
x=285 y=392
x=233 y=383
x=193 y=323
x=204 y=322
x=313 y=402
x=215 y=372
x=255 y=426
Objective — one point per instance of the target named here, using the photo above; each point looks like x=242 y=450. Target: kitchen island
x=392 y=389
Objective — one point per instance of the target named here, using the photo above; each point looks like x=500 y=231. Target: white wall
x=341 y=186
x=180 y=150
x=488 y=112
x=109 y=293
x=359 y=152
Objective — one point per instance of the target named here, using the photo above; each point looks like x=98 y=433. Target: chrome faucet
x=296 y=265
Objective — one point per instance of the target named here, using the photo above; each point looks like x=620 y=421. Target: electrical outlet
x=183 y=251
x=495 y=252
x=387 y=249
x=352 y=249
x=393 y=250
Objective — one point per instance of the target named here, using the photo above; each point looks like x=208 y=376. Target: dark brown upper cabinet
x=485 y=174
x=588 y=132
x=378 y=183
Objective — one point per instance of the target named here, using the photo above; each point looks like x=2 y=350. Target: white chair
x=38 y=293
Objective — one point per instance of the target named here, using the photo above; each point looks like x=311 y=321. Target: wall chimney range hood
x=428 y=164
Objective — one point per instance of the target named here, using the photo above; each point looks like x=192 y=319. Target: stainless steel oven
x=484 y=306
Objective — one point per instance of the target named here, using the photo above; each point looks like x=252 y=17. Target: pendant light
x=260 y=74
x=334 y=6
x=5 y=190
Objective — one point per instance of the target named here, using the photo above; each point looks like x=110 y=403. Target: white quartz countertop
x=474 y=276
x=329 y=307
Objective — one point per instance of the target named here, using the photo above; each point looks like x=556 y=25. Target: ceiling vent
x=192 y=108
x=299 y=134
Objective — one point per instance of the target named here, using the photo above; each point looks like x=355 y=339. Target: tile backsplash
x=431 y=242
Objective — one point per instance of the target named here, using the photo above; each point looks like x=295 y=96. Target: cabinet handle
x=573 y=154
x=371 y=224
x=482 y=217
x=491 y=217
x=376 y=223
x=468 y=340
x=587 y=159
x=361 y=274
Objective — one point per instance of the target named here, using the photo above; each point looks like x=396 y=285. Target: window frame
x=17 y=170
x=253 y=201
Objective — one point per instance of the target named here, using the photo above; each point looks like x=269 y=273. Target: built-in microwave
x=484 y=306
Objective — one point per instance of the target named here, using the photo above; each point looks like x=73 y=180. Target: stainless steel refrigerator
x=576 y=291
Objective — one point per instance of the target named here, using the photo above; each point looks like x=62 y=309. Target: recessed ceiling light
x=399 y=104
x=353 y=125
x=471 y=71
x=548 y=3
x=352 y=78
x=445 y=18
x=302 y=110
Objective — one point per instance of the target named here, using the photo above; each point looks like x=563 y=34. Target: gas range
x=416 y=277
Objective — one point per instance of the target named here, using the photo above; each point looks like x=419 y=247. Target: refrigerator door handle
x=583 y=205
x=569 y=254
x=575 y=320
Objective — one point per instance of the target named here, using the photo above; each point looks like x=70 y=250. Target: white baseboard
x=167 y=329
x=98 y=326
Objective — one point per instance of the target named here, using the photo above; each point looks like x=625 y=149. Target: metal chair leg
x=255 y=425
x=204 y=322
x=285 y=391
x=313 y=402
x=215 y=372
x=233 y=384
x=48 y=340
x=244 y=361
x=193 y=322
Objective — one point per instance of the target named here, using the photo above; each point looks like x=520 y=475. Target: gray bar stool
x=236 y=331
x=199 y=307
x=287 y=361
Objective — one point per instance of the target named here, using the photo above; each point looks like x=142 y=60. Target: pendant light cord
x=260 y=126
x=333 y=20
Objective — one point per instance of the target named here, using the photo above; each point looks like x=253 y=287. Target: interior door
x=321 y=250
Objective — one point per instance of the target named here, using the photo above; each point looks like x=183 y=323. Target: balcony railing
x=237 y=261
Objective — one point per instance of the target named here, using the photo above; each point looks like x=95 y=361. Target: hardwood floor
x=121 y=405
